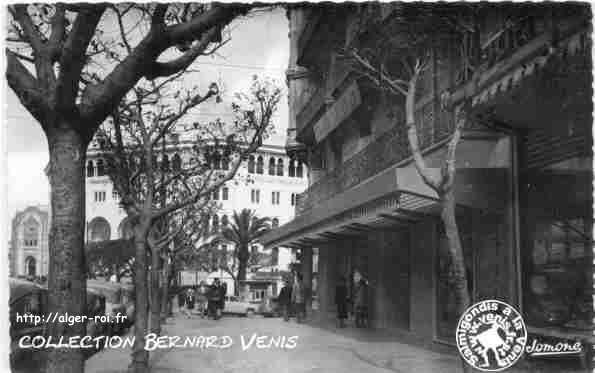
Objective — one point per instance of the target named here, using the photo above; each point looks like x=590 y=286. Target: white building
x=28 y=249
x=267 y=183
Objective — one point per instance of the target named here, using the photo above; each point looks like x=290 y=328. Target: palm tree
x=243 y=231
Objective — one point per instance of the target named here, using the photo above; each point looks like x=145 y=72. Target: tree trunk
x=243 y=256
x=140 y=357
x=155 y=292
x=67 y=281
x=165 y=292
x=459 y=279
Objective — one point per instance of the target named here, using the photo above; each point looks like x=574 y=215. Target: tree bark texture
x=243 y=257
x=140 y=357
x=67 y=283
x=155 y=292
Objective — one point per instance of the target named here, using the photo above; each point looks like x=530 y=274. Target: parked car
x=269 y=307
x=238 y=306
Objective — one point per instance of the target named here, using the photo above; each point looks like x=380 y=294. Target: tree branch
x=158 y=14
x=220 y=14
x=181 y=63
x=26 y=87
x=58 y=31
x=31 y=33
x=73 y=58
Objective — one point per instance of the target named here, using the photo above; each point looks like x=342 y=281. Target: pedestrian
x=297 y=298
x=181 y=300
x=284 y=299
x=190 y=301
x=361 y=303
x=341 y=301
x=220 y=297
x=213 y=300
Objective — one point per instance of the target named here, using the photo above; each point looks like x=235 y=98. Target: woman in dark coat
x=341 y=301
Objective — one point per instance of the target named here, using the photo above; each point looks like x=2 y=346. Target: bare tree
x=151 y=192
x=409 y=46
x=70 y=78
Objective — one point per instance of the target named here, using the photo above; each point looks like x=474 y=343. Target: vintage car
x=29 y=298
x=269 y=307
x=238 y=306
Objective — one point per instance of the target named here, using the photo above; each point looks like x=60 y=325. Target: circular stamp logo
x=491 y=335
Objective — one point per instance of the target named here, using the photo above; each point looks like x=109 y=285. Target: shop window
x=558 y=255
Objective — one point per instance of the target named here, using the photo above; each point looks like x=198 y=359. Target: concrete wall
x=423 y=311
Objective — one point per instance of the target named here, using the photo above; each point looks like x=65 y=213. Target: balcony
x=389 y=148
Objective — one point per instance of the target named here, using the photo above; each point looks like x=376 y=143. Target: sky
x=259 y=45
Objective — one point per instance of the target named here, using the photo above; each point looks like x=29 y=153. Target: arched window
x=251 y=164
x=300 y=169
x=100 y=168
x=125 y=229
x=176 y=162
x=31 y=266
x=99 y=230
x=90 y=169
x=259 y=165
x=31 y=233
x=215 y=224
x=165 y=163
x=291 y=171
x=280 y=167
x=275 y=222
x=272 y=166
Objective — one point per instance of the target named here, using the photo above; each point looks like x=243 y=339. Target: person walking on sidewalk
x=298 y=298
x=190 y=300
x=341 y=301
x=361 y=303
x=285 y=299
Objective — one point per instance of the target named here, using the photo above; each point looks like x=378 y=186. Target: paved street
x=317 y=350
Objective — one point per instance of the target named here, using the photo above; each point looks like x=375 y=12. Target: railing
x=389 y=148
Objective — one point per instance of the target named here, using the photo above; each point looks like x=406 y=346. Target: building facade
x=268 y=183
x=28 y=248
x=524 y=167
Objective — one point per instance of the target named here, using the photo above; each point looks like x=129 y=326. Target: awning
x=398 y=196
